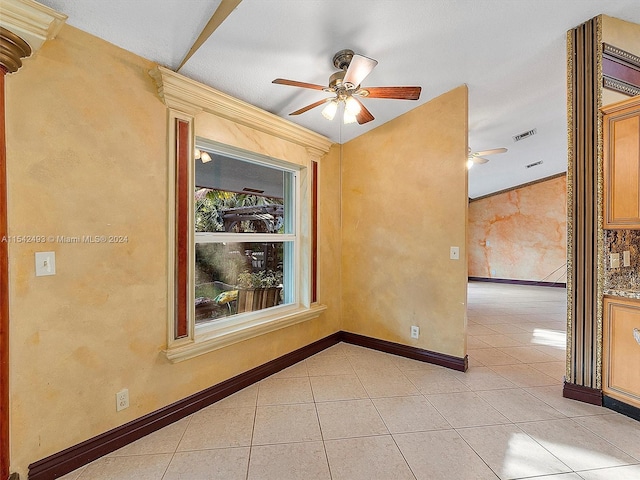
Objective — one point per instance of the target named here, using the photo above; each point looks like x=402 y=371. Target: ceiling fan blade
x=491 y=152
x=294 y=83
x=309 y=107
x=222 y=12
x=364 y=115
x=397 y=93
x=479 y=160
x=358 y=70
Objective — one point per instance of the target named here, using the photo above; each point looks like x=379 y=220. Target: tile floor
x=350 y=413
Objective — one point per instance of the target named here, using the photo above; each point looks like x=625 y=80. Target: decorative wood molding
x=620 y=70
x=83 y=453
x=12 y=50
x=582 y=393
x=518 y=282
x=32 y=22
x=187 y=95
x=427 y=356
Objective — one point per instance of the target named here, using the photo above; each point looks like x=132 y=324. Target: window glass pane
x=238 y=196
x=232 y=278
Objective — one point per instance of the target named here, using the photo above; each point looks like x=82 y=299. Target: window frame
x=210 y=336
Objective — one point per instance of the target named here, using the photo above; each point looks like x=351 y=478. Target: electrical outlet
x=122 y=399
x=626 y=258
x=415 y=331
x=454 y=253
x=614 y=260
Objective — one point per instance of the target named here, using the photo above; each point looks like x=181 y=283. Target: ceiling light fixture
x=205 y=157
x=470 y=163
x=352 y=105
x=329 y=112
x=349 y=117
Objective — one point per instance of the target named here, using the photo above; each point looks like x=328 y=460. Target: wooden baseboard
x=455 y=363
x=582 y=393
x=83 y=453
x=518 y=282
x=621 y=407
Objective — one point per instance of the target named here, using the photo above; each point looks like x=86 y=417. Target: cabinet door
x=622 y=165
x=621 y=352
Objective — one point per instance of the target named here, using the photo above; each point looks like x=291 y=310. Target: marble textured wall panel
x=520 y=234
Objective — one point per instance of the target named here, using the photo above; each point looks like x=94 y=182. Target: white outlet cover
x=626 y=258
x=122 y=399
x=614 y=260
x=454 y=253
x=45 y=263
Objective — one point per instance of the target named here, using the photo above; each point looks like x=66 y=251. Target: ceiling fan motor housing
x=342 y=59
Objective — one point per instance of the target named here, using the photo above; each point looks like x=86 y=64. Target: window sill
x=216 y=338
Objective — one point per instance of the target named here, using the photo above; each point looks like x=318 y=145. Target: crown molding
x=187 y=95
x=31 y=21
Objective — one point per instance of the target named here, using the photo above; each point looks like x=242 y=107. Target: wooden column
x=584 y=182
x=12 y=50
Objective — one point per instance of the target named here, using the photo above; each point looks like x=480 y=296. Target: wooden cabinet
x=621 y=350
x=621 y=129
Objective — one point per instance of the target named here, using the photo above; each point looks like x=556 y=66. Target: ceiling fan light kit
x=345 y=84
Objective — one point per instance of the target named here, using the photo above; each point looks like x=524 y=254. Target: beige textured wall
x=86 y=152
x=404 y=204
x=624 y=35
x=520 y=234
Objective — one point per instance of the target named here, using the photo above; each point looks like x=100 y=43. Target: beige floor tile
x=409 y=414
x=350 y=418
x=630 y=472
x=519 y=406
x=441 y=455
x=482 y=378
x=510 y=452
x=294 y=461
x=367 y=363
x=330 y=388
x=328 y=365
x=499 y=340
x=524 y=375
x=219 y=428
x=408 y=364
x=164 y=440
x=527 y=354
x=277 y=391
x=478 y=329
x=466 y=409
x=552 y=395
x=246 y=397
x=218 y=464
x=491 y=356
x=575 y=445
x=286 y=424
x=368 y=458
x=297 y=370
x=387 y=383
x=560 y=476
x=553 y=369
x=436 y=381
x=138 y=467
x=475 y=342
x=621 y=431
x=557 y=352
x=505 y=328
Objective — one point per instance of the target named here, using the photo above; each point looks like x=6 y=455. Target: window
x=251 y=266
x=246 y=235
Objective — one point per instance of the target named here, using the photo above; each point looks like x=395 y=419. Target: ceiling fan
x=478 y=157
x=345 y=84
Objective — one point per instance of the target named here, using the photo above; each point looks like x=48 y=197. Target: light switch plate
x=626 y=258
x=45 y=263
x=614 y=260
x=454 y=253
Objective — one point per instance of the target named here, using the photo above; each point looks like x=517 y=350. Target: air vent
x=252 y=190
x=524 y=135
x=534 y=164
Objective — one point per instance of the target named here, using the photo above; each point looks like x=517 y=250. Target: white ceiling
x=510 y=53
